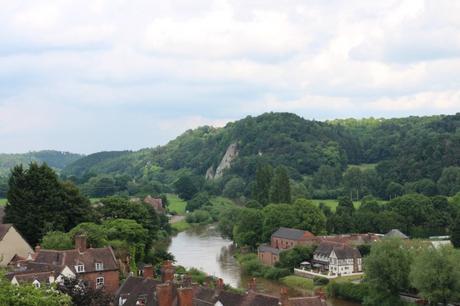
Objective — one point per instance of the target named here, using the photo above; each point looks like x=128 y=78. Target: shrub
x=199 y=216
x=275 y=273
x=347 y=291
x=320 y=281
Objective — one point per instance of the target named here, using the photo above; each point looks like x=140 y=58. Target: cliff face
x=230 y=155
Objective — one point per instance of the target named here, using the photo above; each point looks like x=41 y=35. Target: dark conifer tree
x=280 y=190
x=455 y=233
x=261 y=192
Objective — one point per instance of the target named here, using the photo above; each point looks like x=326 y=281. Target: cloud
x=101 y=74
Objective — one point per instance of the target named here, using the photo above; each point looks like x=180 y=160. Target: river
x=205 y=249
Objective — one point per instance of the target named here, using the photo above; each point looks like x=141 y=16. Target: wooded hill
x=393 y=156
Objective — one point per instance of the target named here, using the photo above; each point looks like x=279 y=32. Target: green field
x=2 y=202
x=294 y=281
x=175 y=204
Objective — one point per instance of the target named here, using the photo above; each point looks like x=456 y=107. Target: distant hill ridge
x=55 y=159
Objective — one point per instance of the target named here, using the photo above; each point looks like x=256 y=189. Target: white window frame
x=100 y=282
x=99 y=266
x=80 y=268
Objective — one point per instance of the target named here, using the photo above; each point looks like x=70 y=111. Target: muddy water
x=205 y=249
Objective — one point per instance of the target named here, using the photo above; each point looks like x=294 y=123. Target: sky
x=93 y=75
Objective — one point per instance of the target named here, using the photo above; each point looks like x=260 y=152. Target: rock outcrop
x=229 y=157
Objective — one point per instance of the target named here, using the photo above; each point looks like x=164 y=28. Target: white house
x=337 y=258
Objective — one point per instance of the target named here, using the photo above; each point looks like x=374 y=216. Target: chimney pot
x=284 y=297
x=167 y=272
x=148 y=271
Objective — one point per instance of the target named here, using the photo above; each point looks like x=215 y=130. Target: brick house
x=12 y=245
x=283 y=239
x=147 y=291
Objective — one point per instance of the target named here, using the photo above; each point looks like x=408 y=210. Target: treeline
x=384 y=158
x=49 y=211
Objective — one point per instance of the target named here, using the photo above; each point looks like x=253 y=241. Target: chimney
x=187 y=281
x=80 y=243
x=148 y=272
x=164 y=294
x=167 y=272
x=185 y=296
x=37 y=248
x=284 y=297
x=252 y=284
x=220 y=284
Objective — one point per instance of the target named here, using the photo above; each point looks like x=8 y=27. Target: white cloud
x=84 y=66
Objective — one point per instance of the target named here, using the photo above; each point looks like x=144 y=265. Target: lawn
x=2 y=202
x=176 y=204
x=332 y=203
x=181 y=226
x=294 y=281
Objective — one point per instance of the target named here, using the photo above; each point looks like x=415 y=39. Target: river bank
x=202 y=247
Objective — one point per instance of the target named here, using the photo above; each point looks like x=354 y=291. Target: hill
x=54 y=159
x=409 y=153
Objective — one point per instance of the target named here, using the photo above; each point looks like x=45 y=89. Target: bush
x=199 y=216
x=274 y=273
x=320 y=281
x=198 y=201
x=347 y=291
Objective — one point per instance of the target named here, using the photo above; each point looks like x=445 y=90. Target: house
x=156 y=203
x=268 y=255
x=97 y=267
x=287 y=238
x=337 y=258
x=169 y=291
x=12 y=245
x=395 y=233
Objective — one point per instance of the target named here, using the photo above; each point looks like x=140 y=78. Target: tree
x=280 y=189
x=275 y=216
x=387 y=273
x=56 y=241
x=83 y=295
x=234 y=188
x=292 y=258
x=394 y=190
x=200 y=200
x=449 y=182
x=261 y=191
x=38 y=202
x=27 y=295
x=227 y=220
x=95 y=234
x=455 y=233
x=353 y=181
x=309 y=217
x=185 y=187
x=435 y=273
x=248 y=229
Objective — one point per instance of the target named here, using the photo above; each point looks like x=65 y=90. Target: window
x=99 y=282
x=80 y=268
x=99 y=266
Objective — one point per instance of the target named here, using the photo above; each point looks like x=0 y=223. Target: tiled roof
x=4 y=228
x=71 y=258
x=292 y=234
x=268 y=249
x=135 y=287
x=342 y=250
x=306 y=301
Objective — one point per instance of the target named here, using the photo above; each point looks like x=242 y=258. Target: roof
x=42 y=277
x=341 y=250
x=395 y=233
x=268 y=249
x=307 y=301
x=4 y=228
x=135 y=287
x=292 y=234
x=73 y=257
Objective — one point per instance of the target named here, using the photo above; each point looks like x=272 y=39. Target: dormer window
x=99 y=266
x=80 y=268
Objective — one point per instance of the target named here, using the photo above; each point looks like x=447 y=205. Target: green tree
x=38 y=202
x=248 y=229
x=309 y=217
x=449 y=182
x=83 y=295
x=455 y=232
x=185 y=187
x=353 y=181
x=280 y=189
x=200 y=200
x=234 y=188
x=275 y=216
x=96 y=235
x=28 y=295
x=435 y=273
x=227 y=220
x=387 y=273
x=394 y=190
x=261 y=191
x=292 y=258
x=57 y=241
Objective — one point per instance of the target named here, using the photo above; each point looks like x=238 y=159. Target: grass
x=176 y=204
x=2 y=202
x=349 y=278
x=364 y=166
x=294 y=281
x=332 y=203
x=181 y=226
